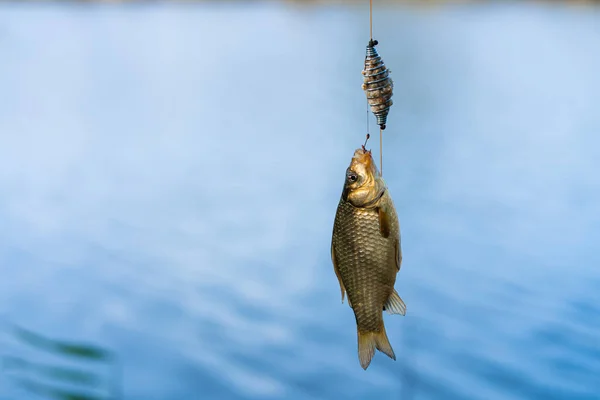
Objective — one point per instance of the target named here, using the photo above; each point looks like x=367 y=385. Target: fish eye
x=352 y=177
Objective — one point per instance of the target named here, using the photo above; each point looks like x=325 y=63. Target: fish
x=367 y=255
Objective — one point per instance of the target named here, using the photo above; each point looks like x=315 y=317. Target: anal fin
x=395 y=305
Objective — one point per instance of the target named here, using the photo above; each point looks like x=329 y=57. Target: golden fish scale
x=366 y=260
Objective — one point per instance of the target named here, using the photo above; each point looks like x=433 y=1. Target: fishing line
x=371 y=35
x=371 y=18
x=381 y=151
x=368 y=128
x=377 y=85
x=380 y=130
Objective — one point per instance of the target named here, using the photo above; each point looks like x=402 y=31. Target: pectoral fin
x=398 y=254
x=395 y=305
x=337 y=273
x=384 y=222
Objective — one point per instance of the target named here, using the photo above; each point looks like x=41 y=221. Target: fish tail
x=369 y=341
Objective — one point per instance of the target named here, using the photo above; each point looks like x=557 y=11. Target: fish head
x=363 y=182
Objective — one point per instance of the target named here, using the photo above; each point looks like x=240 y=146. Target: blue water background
x=169 y=175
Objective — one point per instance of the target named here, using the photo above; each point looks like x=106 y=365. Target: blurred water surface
x=169 y=176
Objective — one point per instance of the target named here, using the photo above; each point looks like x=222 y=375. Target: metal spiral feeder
x=377 y=85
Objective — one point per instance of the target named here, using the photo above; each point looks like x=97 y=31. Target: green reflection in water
x=50 y=392
x=89 y=352
x=64 y=382
x=16 y=364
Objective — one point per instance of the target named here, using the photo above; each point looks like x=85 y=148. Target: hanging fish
x=377 y=84
x=366 y=253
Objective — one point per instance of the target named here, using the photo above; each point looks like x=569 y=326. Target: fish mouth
x=364 y=157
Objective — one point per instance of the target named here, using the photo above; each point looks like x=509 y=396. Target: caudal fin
x=369 y=341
